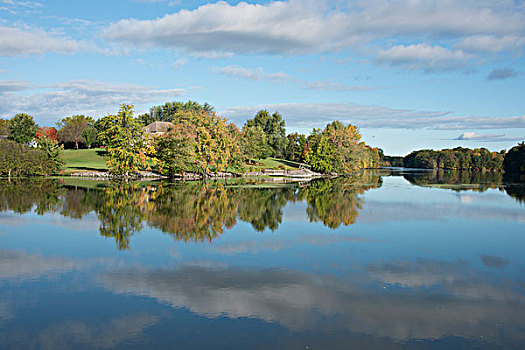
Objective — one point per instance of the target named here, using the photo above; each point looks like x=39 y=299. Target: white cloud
x=472 y=136
x=328 y=85
x=423 y=56
x=253 y=73
x=178 y=63
x=491 y=43
x=95 y=98
x=16 y=42
x=308 y=115
x=307 y=26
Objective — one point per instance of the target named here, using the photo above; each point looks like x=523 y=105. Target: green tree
x=90 y=136
x=22 y=128
x=53 y=151
x=514 y=162
x=125 y=142
x=274 y=128
x=254 y=143
x=295 y=148
x=17 y=159
x=72 y=128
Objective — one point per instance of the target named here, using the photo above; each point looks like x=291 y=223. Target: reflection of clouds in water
x=22 y=265
x=375 y=211
x=467 y=308
x=423 y=273
x=95 y=335
x=278 y=243
x=88 y=221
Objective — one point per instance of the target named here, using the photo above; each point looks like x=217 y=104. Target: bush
x=21 y=160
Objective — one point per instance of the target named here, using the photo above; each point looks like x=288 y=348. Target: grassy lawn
x=84 y=159
x=274 y=163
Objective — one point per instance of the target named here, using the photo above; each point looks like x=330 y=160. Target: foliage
x=254 y=143
x=4 y=126
x=90 y=136
x=72 y=128
x=20 y=160
x=22 y=128
x=458 y=158
x=174 y=111
x=514 y=161
x=176 y=150
x=47 y=132
x=337 y=149
x=125 y=141
x=296 y=147
x=53 y=151
x=274 y=128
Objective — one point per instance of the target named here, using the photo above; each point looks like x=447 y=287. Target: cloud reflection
x=466 y=306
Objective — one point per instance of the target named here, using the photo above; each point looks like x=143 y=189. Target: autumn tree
x=176 y=150
x=71 y=128
x=125 y=141
x=22 y=128
x=4 y=126
x=47 y=132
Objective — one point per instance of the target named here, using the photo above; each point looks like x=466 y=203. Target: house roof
x=158 y=126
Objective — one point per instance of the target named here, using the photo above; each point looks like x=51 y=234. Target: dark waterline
x=379 y=260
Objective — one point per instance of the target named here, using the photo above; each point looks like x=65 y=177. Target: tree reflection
x=338 y=201
x=262 y=207
x=198 y=212
x=193 y=211
x=457 y=180
x=24 y=195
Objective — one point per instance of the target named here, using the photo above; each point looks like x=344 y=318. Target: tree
x=53 y=151
x=4 y=126
x=90 y=136
x=71 y=128
x=47 y=132
x=295 y=148
x=174 y=111
x=125 y=142
x=22 y=128
x=17 y=159
x=274 y=128
x=176 y=149
x=254 y=143
x=514 y=162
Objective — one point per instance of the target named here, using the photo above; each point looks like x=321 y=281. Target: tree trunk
x=76 y=144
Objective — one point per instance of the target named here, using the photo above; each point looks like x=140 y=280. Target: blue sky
x=411 y=74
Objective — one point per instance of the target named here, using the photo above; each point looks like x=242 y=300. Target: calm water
x=383 y=260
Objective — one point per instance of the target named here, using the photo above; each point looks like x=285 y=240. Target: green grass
x=274 y=163
x=85 y=159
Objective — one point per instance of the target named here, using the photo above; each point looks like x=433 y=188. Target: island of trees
x=196 y=140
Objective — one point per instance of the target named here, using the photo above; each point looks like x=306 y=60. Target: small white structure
x=159 y=128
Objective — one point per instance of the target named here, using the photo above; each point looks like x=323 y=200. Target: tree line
x=199 y=141
x=460 y=158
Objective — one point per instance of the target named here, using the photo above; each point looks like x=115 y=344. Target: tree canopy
x=125 y=141
x=71 y=129
x=22 y=128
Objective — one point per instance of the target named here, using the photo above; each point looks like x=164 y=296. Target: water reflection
x=410 y=267
x=191 y=211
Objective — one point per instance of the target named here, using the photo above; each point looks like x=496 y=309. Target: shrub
x=20 y=160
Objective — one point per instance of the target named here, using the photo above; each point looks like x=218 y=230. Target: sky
x=411 y=74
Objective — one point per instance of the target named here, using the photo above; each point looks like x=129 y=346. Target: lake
x=384 y=259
